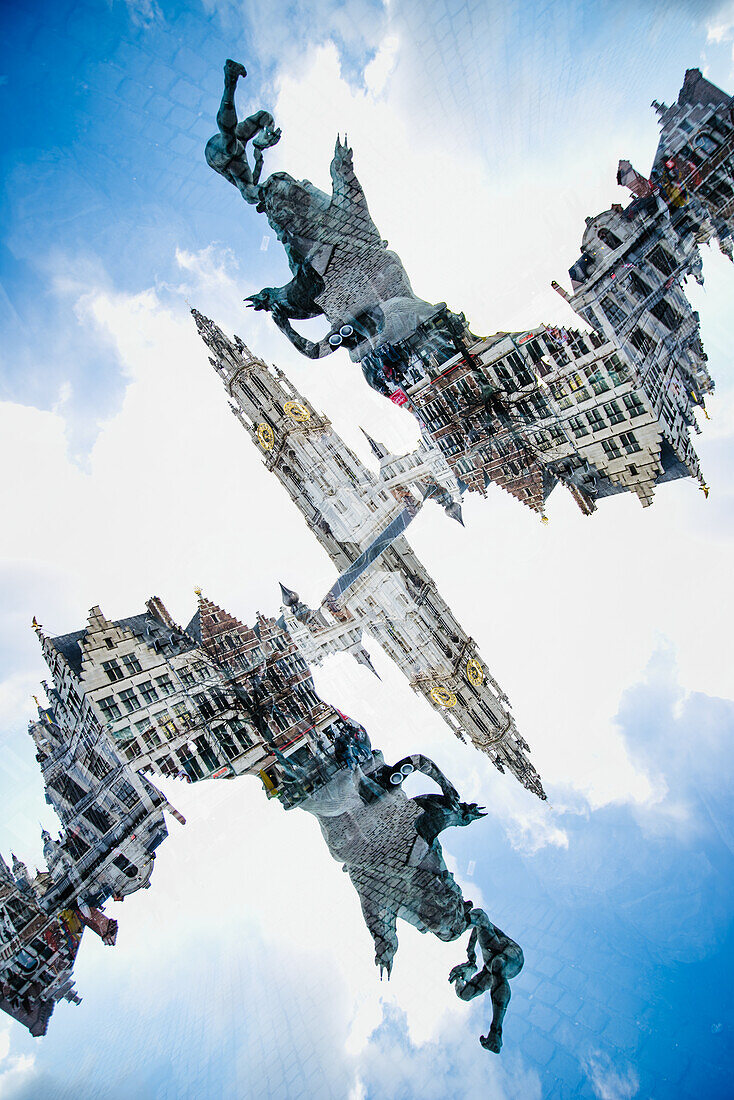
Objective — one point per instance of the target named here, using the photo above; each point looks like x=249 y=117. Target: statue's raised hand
x=267 y=137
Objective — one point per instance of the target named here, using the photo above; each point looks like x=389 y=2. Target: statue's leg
x=505 y=961
x=227 y=114
x=500 y=994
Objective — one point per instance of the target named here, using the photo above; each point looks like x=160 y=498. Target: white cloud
x=611 y=1083
x=16 y=1070
x=397 y=1067
x=720 y=28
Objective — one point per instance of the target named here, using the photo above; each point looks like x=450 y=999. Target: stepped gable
x=214 y=625
x=154 y=627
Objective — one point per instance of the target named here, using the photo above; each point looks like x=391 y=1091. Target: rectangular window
x=661 y=259
x=186 y=677
x=634 y=404
x=629 y=442
x=165 y=684
x=131 y=663
x=190 y=765
x=615 y=314
x=614 y=412
x=596 y=420
x=219 y=698
x=151 y=739
x=227 y=742
x=204 y=706
x=666 y=315
x=617 y=370
x=113 y=670
x=524 y=375
x=97 y=817
x=639 y=287
x=578 y=426
x=611 y=448
x=109 y=708
x=129 y=700
x=126 y=794
x=167 y=765
x=148 y=692
x=243 y=736
x=641 y=341
x=597 y=381
x=68 y=788
x=98 y=766
x=534 y=350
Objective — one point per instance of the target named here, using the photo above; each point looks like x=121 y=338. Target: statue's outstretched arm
x=306 y=347
x=423 y=764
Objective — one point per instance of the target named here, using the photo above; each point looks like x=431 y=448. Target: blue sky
x=483 y=135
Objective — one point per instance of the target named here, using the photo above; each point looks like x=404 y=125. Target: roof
x=697 y=89
x=193 y=628
x=144 y=626
x=69 y=648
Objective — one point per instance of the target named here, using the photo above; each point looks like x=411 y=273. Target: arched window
x=611 y=240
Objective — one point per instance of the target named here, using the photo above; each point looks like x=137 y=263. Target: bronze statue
x=388 y=844
x=342 y=269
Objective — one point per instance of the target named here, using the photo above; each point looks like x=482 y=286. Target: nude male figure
x=226 y=151
x=503 y=959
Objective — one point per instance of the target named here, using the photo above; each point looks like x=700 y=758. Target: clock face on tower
x=442 y=696
x=474 y=672
x=265 y=436
x=296 y=411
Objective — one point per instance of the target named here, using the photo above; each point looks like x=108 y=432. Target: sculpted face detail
x=342 y=269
